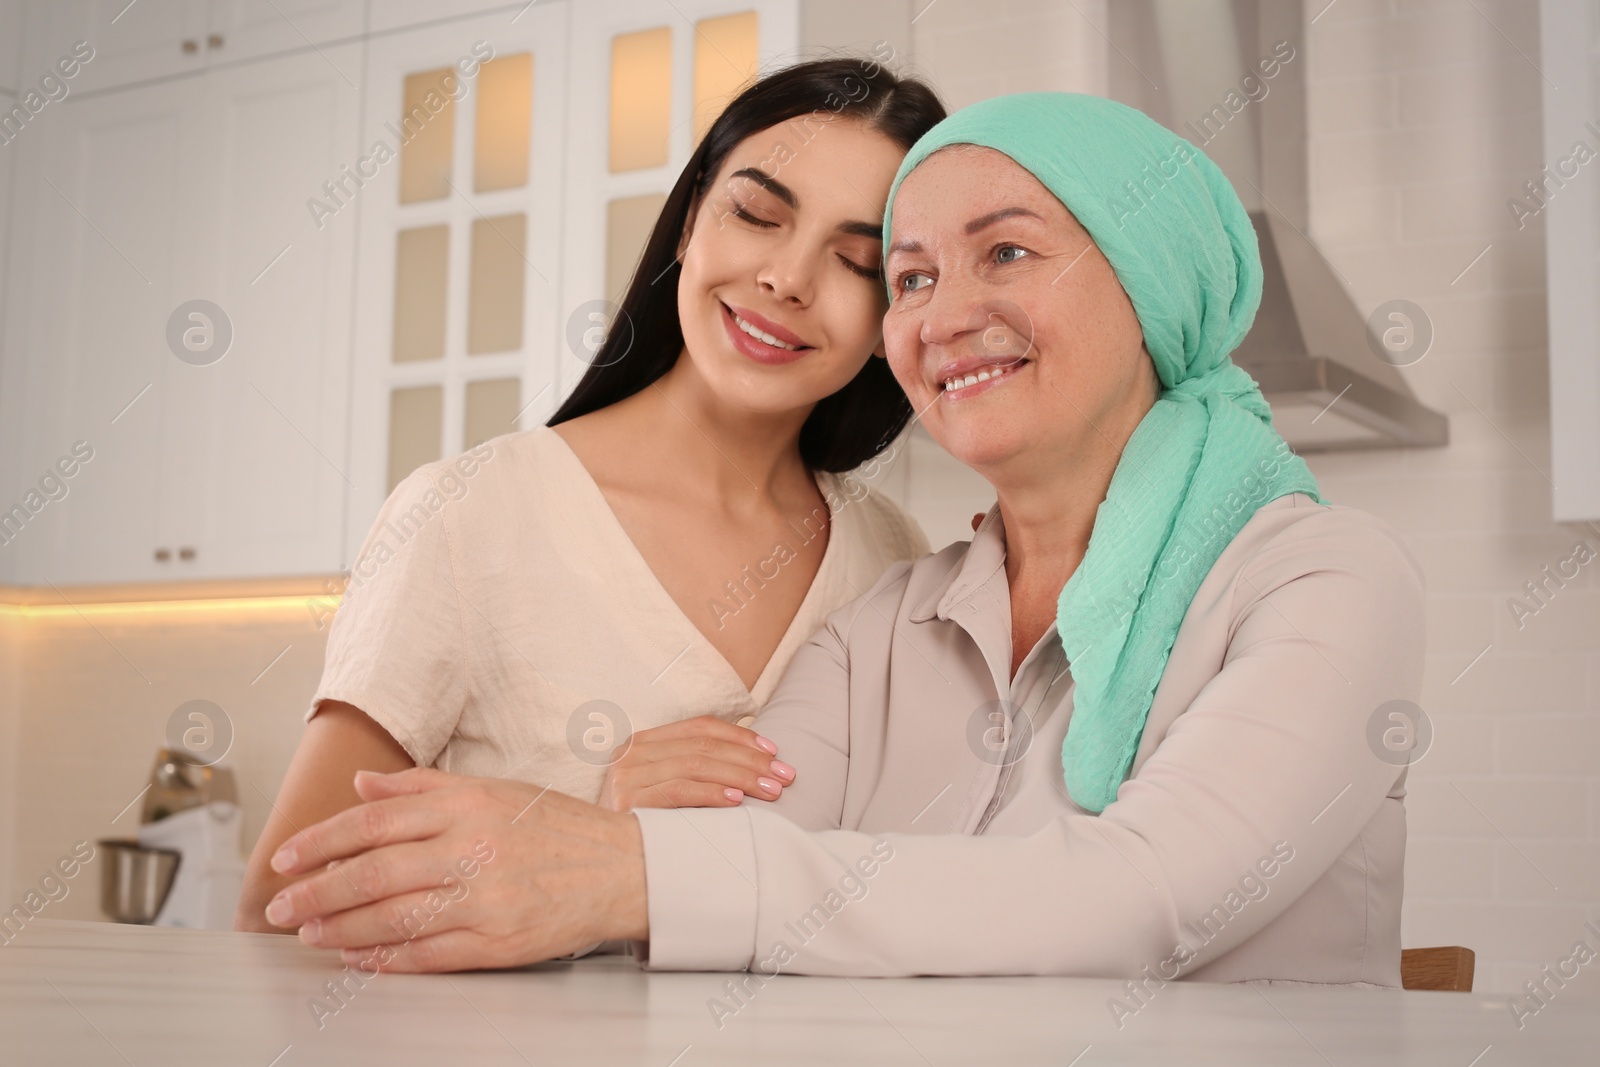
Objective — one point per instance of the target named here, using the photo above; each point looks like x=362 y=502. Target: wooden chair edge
x=1447 y=967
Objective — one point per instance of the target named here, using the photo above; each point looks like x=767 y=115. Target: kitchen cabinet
x=153 y=39
x=395 y=230
x=82 y=333
x=139 y=201
x=457 y=300
x=256 y=444
x=237 y=30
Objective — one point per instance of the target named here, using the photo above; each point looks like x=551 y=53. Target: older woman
x=1122 y=732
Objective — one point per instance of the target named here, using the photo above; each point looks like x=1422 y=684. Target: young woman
x=556 y=605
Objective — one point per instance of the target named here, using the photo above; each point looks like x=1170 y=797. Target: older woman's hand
x=694 y=763
x=437 y=872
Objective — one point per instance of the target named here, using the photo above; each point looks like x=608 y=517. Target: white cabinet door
x=93 y=255
x=254 y=447
x=135 y=203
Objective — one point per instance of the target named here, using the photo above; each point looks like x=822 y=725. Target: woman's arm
x=339 y=741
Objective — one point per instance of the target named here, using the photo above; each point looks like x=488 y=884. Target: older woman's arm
x=1271 y=757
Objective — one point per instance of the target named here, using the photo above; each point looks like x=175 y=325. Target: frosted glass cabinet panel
x=492 y=408
x=494 y=315
x=629 y=220
x=427 y=123
x=416 y=419
x=421 y=272
x=641 y=99
x=727 y=57
x=505 y=114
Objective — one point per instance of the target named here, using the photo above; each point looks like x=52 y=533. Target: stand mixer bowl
x=135 y=880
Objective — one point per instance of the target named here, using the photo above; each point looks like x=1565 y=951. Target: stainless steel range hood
x=1309 y=349
x=1310 y=353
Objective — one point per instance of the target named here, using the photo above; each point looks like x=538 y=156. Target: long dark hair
x=854 y=424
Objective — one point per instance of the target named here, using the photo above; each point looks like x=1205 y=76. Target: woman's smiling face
x=993 y=278
x=781 y=294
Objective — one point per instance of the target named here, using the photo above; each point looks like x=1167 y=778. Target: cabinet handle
x=190 y=46
x=186 y=553
x=163 y=554
x=214 y=41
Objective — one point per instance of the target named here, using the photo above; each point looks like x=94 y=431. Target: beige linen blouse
x=500 y=622
x=1259 y=836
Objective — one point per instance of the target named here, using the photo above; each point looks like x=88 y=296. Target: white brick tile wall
x=1451 y=867
x=1463 y=745
x=1358 y=105
x=975 y=49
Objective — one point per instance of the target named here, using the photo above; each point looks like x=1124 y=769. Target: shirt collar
x=984 y=557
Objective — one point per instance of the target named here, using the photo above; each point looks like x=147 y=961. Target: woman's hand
x=694 y=763
x=441 y=873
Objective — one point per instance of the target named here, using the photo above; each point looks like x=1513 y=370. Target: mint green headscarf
x=1206 y=456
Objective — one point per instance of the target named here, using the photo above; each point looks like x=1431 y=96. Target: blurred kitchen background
x=1427 y=338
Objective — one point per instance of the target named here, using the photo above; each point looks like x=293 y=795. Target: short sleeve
x=396 y=647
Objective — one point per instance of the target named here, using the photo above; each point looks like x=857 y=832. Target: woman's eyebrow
x=857 y=228
x=854 y=227
x=972 y=227
x=771 y=185
x=993 y=217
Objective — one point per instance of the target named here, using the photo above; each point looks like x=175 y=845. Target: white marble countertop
x=96 y=993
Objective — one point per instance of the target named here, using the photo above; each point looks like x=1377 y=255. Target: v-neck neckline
x=650 y=579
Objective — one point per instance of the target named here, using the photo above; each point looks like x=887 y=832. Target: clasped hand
x=437 y=872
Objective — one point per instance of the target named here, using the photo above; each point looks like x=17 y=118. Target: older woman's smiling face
x=1007 y=327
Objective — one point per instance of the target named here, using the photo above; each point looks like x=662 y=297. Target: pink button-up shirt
x=1260 y=835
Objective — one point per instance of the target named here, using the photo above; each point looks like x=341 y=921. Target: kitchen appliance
x=185 y=869
x=206 y=890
